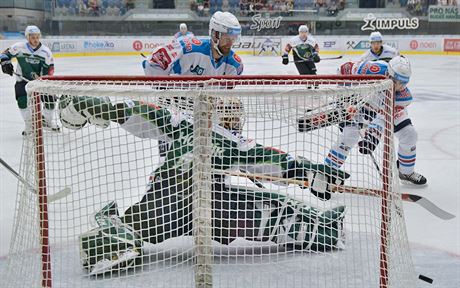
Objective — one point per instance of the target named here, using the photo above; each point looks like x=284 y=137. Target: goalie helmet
x=223 y=23
x=183 y=27
x=231 y=115
x=399 y=70
x=32 y=30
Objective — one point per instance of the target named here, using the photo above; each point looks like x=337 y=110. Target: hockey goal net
x=223 y=206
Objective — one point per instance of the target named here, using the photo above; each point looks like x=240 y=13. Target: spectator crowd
x=93 y=7
x=247 y=8
x=420 y=7
x=252 y=7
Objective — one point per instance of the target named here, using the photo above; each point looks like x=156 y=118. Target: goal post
x=209 y=182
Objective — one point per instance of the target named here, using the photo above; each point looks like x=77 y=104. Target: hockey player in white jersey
x=212 y=56
x=305 y=52
x=193 y=56
x=183 y=32
x=399 y=70
x=378 y=50
x=34 y=60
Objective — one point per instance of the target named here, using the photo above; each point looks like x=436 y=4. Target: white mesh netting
x=238 y=198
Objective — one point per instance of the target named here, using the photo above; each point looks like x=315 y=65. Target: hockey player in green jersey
x=165 y=211
x=304 y=50
x=34 y=60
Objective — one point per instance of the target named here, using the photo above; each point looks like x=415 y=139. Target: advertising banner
x=247 y=45
x=452 y=45
x=443 y=14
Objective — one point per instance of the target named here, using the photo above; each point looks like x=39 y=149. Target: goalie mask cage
x=247 y=226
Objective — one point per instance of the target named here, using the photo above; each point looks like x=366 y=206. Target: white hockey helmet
x=303 y=28
x=223 y=23
x=375 y=37
x=399 y=70
x=32 y=29
x=183 y=27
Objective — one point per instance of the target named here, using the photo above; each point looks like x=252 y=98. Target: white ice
x=435 y=113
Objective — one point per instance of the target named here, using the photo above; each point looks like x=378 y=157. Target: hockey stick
x=57 y=196
x=338 y=111
x=308 y=60
x=420 y=200
x=22 y=77
x=376 y=165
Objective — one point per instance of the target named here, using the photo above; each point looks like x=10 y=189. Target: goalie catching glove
x=75 y=112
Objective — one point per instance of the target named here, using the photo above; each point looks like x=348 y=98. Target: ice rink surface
x=435 y=112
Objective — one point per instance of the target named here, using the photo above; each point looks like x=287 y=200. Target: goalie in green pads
x=165 y=211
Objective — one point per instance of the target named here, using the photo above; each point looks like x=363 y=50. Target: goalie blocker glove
x=7 y=67
x=285 y=59
x=320 y=177
x=316 y=120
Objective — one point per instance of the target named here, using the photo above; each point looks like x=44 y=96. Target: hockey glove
x=318 y=182
x=7 y=67
x=321 y=184
x=315 y=57
x=285 y=59
x=370 y=141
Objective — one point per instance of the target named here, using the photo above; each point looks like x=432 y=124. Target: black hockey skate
x=413 y=178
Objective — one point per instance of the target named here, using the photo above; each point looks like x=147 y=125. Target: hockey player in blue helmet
x=399 y=70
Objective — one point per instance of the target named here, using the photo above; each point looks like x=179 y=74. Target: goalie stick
x=420 y=200
x=339 y=111
x=54 y=197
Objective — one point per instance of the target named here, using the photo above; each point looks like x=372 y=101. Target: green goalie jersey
x=32 y=63
x=229 y=148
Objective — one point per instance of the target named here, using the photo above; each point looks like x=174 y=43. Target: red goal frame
x=230 y=80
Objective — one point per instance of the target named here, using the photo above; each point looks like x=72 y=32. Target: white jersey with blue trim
x=191 y=56
x=179 y=35
x=386 y=53
x=402 y=98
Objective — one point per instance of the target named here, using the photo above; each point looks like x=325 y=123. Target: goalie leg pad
x=309 y=229
x=112 y=247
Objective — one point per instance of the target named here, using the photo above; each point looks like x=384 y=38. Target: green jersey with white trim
x=230 y=149
x=32 y=63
